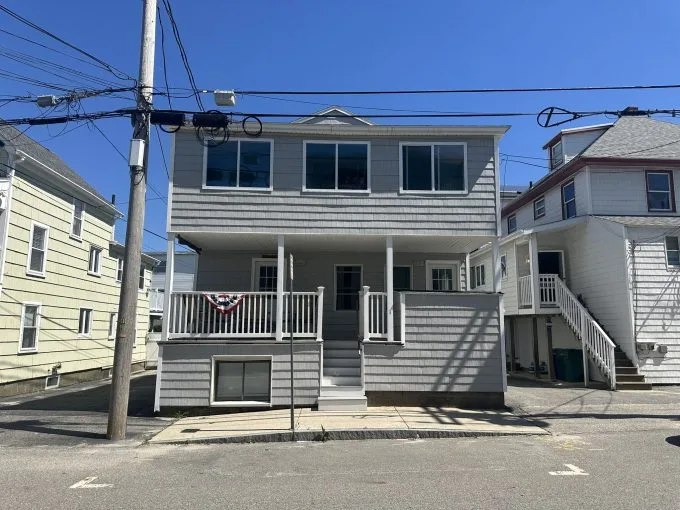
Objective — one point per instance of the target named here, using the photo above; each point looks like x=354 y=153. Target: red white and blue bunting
x=224 y=303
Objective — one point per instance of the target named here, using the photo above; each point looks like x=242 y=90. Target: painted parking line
x=86 y=483
x=573 y=471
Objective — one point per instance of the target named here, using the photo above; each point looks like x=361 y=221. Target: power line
x=116 y=72
x=452 y=91
x=165 y=66
x=183 y=54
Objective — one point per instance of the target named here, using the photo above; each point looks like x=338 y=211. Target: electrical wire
x=183 y=54
x=165 y=66
x=116 y=72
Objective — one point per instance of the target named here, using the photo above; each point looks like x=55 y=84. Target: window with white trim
x=37 y=250
x=85 y=321
x=239 y=164
x=660 y=192
x=477 y=276
x=347 y=287
x=568 y=200
x=142 y=278
x=113 y=325
x=77 y=219
x=672 y=252
x=512 y=223
x=434 y=167
x=331 y=166
x=539 y=208
x=442 y=276
x=119 y=270
x=242 y=381
x=30 y=325
x=95 y=263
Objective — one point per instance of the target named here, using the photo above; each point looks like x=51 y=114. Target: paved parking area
x=77 y=415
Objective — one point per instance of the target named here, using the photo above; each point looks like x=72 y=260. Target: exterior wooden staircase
x=627 y=375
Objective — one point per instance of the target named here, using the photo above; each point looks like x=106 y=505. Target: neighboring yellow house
x=60 y=271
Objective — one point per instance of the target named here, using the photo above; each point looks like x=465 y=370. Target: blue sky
x=352 y=44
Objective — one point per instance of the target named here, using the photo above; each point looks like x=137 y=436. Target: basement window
x=238 y=381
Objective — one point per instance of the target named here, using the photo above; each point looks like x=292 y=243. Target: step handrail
x=604 y=352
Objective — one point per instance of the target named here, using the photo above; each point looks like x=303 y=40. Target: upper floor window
x=77 y=220
x=85 y=322
x=37 y=250
x=556 y=155
x=477 y=276
x=142 y=278
x=95 y=262
x=336 y=166
x=119 y=270
x=512 y=223
x=239 y=164
x=434 y=167
x=568 y=200
x=660 y=192
x=673 y=252
x=539 y=208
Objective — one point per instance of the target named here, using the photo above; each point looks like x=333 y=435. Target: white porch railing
x=156 y=299
x=373 y=314
x=547 y=289
x=192 y=316
x=524 y=291
x=593 y=338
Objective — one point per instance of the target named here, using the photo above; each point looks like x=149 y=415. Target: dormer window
x=556 y=155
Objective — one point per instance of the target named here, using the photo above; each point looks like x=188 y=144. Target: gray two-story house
x=379 y=221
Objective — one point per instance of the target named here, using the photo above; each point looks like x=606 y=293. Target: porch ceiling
x=333 y=243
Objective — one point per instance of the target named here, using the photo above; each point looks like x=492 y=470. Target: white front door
x=442 y=276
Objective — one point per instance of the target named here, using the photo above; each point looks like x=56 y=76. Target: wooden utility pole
x=139 y=158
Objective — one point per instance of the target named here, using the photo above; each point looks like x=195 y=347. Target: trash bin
x=568 y=365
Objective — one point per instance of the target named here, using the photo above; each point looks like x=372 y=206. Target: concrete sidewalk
x=375 y=423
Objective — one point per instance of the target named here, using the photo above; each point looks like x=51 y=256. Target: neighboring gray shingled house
x=595 y=245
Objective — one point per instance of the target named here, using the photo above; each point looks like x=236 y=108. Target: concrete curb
x=346 y=435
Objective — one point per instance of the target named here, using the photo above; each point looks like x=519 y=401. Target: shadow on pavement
x=674 y=440
x=40 y=427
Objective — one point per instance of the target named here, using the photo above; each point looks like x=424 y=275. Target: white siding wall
x=656 y=299
x=622 y=190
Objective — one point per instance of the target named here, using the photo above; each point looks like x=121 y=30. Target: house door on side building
x=551 y=262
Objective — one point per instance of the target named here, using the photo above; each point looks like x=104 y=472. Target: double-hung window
x=142 y=278
x=243 y=164
x=477 y=276
x=95 y=263
x=119 y=270
x=672 y=252
x=556 y=155
x=568 y=200
x=660 y=191
x=113 y=325
x=30 y=325
x=539 y=208
x=512 y=223
x=85 y=322
x=331 y=166
x=37 y=250
x=434 y=167
x=77 y=219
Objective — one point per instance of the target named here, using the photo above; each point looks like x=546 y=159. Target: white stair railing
x=595 y=341
x=547 y=284
x=372 y=314
x=524 y=291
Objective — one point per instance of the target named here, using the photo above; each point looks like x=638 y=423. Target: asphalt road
x=76 y=415
x=608 y=450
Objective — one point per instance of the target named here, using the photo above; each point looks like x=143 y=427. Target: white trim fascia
x=204 y=185
x=335 y=285
x=34 y=350
x=239 y=403
x=109 y=205
x=305 y=189
x=29 y=271
x=431 y=264
x=433 y=191
x=378 y=130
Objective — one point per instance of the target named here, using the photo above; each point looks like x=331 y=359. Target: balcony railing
x=251 y=315
x=524 y=291
x=372 y=314
x=547 y=290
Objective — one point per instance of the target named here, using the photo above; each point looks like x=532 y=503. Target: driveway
x=574 y=410
x=77 y=415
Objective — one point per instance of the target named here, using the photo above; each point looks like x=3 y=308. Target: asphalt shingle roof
x=24 y=143
x=644 y=221
x=637 y=138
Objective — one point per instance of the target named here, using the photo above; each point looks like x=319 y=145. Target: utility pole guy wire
x=127 y=309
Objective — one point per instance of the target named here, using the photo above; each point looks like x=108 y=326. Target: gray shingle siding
x=452 y=344
x=186 y=371
x=288 y=210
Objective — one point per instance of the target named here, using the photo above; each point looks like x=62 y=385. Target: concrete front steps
x=342 y=398
x=341 y=388
x=627 y=375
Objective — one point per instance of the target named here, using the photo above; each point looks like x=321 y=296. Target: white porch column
x=389 y=288
x=533 y=265
x=467 y=271
x=280 y=280
x=496 y=266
